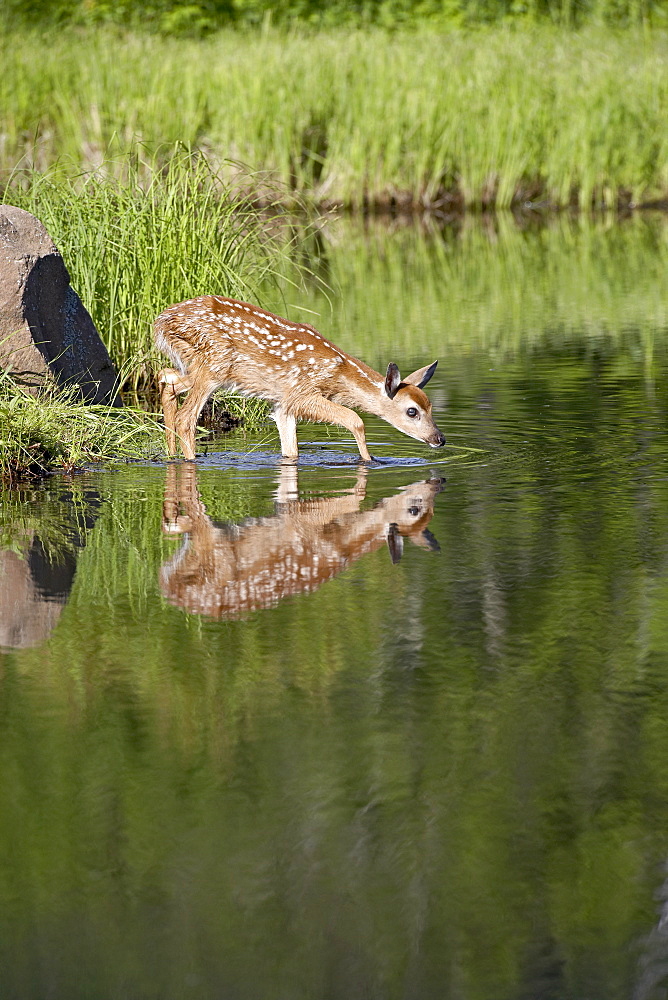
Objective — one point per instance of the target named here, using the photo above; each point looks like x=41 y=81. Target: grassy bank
x=133 y=245
x=53 y=430
x=493 y=117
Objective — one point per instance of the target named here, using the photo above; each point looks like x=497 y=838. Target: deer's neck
x=360 y=387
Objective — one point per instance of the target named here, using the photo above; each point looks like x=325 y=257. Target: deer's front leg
x=172 y=384
x=327 y=412
x=287 y=431
x=186 y=418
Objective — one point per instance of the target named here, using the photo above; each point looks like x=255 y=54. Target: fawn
x=225 y=571
x=215 y=341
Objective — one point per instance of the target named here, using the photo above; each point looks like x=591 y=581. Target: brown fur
x=216 y=342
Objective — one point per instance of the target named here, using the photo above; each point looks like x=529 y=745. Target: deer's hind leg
x=172 y=383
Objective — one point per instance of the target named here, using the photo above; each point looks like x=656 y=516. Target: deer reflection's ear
x=426 y=541
x=431 y=541
x=392 y=380
x=395 y=543
x=421 y=376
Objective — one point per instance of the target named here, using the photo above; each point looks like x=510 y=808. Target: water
x=317 y=732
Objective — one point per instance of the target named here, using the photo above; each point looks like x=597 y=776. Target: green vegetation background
x=179 y=16
x=434 y=118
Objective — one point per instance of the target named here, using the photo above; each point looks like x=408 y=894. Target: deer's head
x=408 y=408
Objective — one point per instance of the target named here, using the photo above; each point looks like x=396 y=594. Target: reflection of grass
x=494 y=287
x=56 y=511
x=491 y=117
x=142 y=737
x=411 y=744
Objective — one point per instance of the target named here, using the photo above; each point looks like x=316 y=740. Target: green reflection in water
x=488 y=285
x=445 y=776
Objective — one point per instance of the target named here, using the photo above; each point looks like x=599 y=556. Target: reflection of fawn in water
x=226 y=571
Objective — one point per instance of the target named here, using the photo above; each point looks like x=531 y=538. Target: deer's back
x=247 y=347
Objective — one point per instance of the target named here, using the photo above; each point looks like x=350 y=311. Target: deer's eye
x=414 y=511
x=411 y=412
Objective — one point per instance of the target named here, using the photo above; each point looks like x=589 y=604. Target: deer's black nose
x=439 y=441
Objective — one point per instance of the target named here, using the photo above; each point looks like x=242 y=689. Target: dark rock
x=45 y=331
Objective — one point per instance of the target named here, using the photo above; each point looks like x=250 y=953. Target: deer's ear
x=421 y=376
x=392 y=380
x=395 y=543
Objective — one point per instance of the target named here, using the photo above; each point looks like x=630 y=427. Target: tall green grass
x=484 y=288
x=493 y=117
x=151 y=236
x=135 y=246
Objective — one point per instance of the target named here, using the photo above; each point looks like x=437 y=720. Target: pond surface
x=322 y=732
